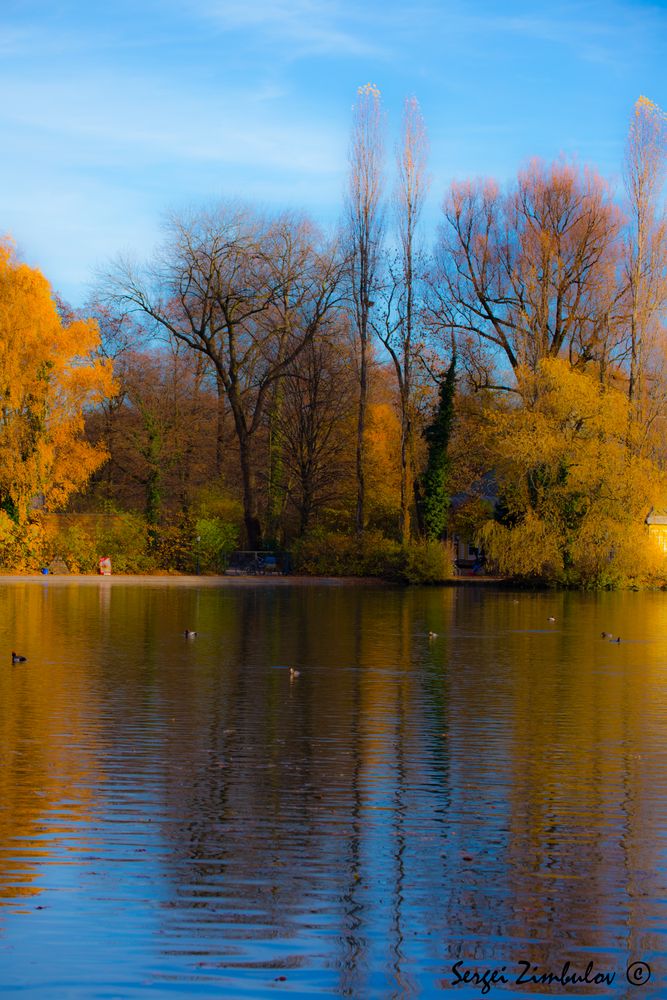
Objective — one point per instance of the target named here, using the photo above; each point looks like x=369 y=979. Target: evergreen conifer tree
x=435 y=499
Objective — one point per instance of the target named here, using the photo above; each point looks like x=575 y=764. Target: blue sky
x=114 y=112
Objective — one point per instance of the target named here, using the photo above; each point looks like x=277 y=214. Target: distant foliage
x=278 y=389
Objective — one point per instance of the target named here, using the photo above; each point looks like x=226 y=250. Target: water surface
x=181 y=817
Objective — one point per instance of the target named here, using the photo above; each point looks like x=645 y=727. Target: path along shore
x=271 y=580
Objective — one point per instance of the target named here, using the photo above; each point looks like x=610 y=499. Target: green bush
x=172 y=544
x=81 y=540
x=75 y=547
x=80 y=543
x=217 y=540
x=323 y=554
x=125 y=541
x=428 y=562
x=334 y=554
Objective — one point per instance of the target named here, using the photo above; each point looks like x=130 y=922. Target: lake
x=410 y=815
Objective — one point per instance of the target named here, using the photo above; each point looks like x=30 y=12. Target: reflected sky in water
x=183 y=817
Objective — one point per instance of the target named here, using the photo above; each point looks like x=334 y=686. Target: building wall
x=659 y=532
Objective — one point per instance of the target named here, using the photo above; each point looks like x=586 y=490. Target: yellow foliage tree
x=383 y=472
x=48 y=375
x=574 y=493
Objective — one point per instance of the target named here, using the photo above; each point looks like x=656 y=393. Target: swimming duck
x=293 y=674
x=551 y=618
x=618 y=639
x=189 y=634
x=433 y=635
x=17 y=658
x=606 y=635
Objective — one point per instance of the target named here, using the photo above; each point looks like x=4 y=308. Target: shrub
x=529 y=550
x=334 y=554
x=76 y=547
x=125 y=541
x=173 y=546
x=606 y=555
x=81 y=540
x=602 y=554
x=323 y=553
x=21 y=546
x=217 y=540
x=428 y=562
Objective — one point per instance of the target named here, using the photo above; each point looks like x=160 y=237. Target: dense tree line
x=289 y=386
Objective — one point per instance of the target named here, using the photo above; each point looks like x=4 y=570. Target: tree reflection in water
x=492 y=795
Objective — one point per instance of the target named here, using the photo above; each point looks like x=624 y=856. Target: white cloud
x=306 y=27
x=108 y=121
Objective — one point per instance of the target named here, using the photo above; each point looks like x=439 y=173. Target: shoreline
x=90 y=579
x=118 y=579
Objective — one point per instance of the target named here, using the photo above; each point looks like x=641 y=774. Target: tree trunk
x=220 y=425
x=276 y=491
x=250 y=516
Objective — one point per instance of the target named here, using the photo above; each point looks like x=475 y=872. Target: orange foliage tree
x=48 y=375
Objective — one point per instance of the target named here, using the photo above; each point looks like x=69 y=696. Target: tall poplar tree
x=364 y=226
x=399 y=325
x=645 y=253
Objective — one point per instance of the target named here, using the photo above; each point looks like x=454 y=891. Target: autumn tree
x=572 y=498
x=398 y=325
x=249 y=294
x=529 y=273
x=48 y=376
x=364 y=228
x=120 y=336
x=315 y=428
x=159 y=451
x=383 y=449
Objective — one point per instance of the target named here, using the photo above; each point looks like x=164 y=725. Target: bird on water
x=293 y=674
x=189 y=634
x=17 y=658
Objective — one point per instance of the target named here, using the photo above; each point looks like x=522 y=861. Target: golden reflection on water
x=494 y=793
